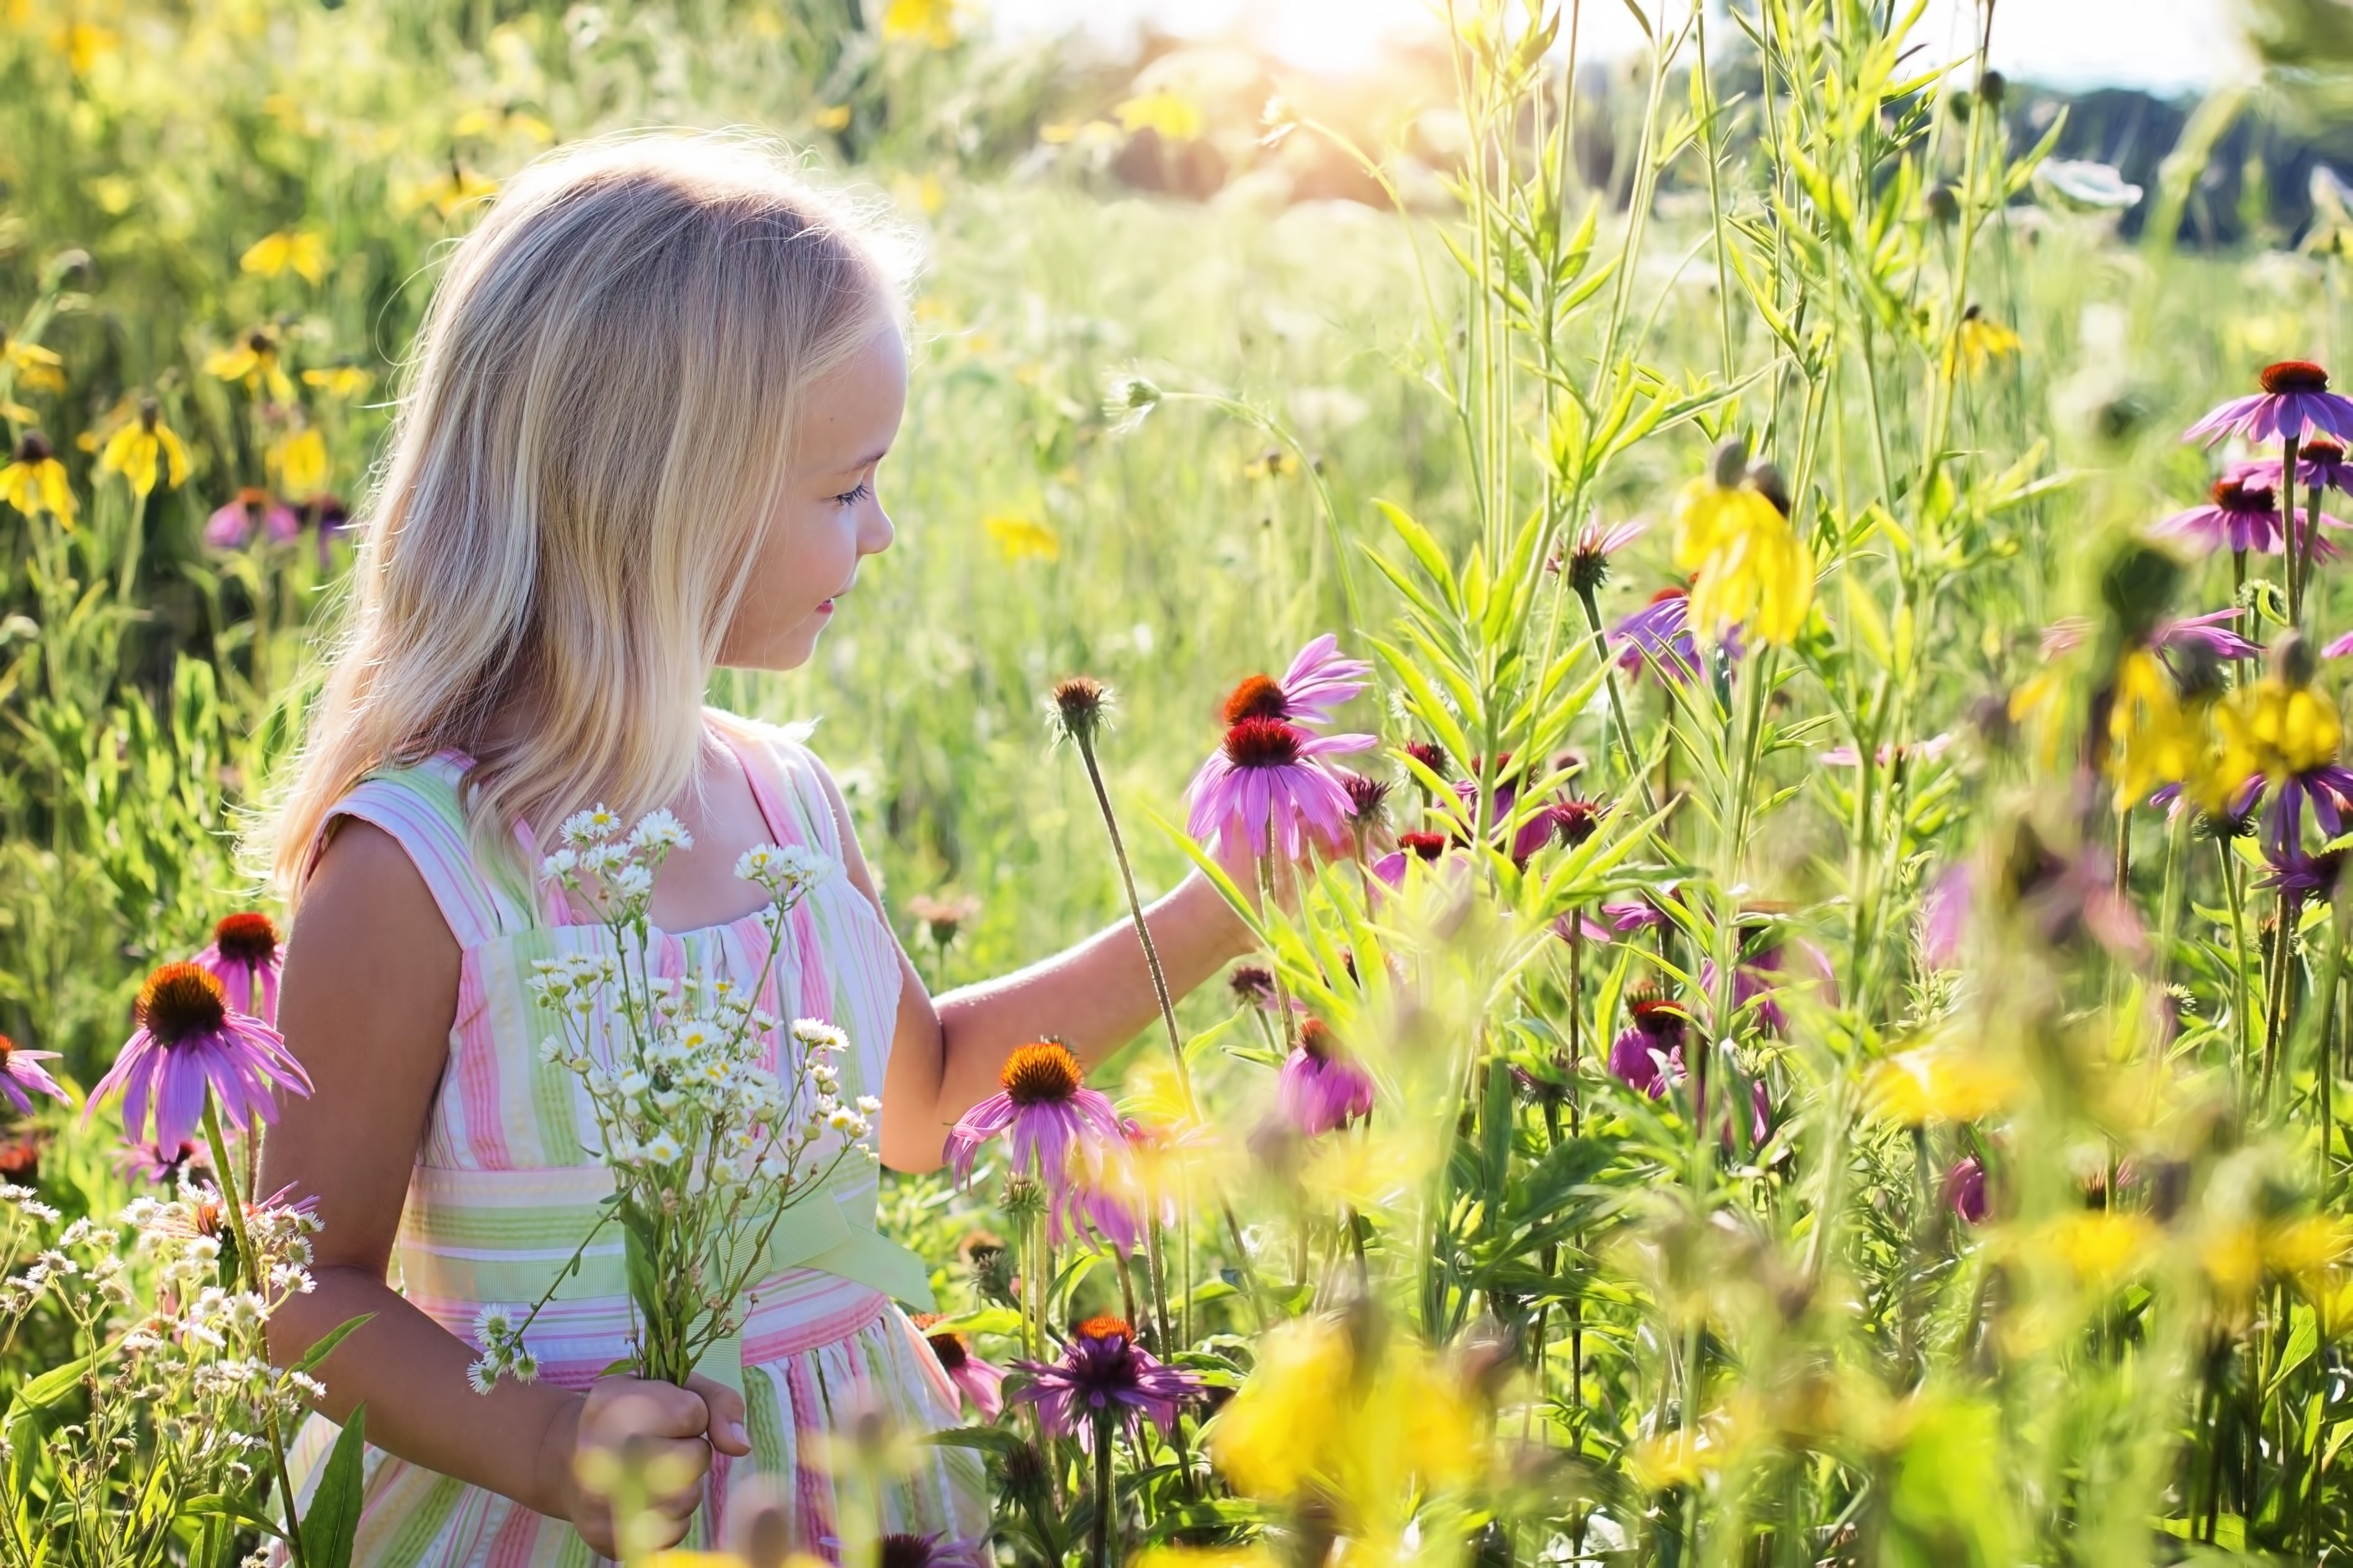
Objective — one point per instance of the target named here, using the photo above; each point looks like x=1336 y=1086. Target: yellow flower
x=2152 y=739
x=489 y=120
x=831 y=117
x=1938 y=1083
x=1314 y=1426
x=932 y=21
x=2102 y=1246
x=81 y=43
x=35 y=481
x=143 y=450
x=299 y=457
x=1021 y=538
x=1752 y=567
x=300 y=251
x=253 y=361
x=2273 y=728
x=449 y=193
x=338 y=380
x=36 y=366
x=1980 y=340
x=1204 y=1557
x=1170 y=115
x=1272 y=463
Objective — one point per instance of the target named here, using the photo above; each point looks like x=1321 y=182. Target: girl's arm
x=946 y=1055
x=370 y=993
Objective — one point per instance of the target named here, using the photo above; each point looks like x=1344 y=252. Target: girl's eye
x=852 y=497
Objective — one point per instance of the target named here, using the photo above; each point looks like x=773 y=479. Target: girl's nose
x=874 y=536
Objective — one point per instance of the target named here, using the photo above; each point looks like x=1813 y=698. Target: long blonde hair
x=594 y=416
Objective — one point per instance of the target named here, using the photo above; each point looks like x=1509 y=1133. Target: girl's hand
x=666 y=1431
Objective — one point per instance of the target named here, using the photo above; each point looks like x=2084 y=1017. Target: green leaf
x=332 y=1520
x=334 y=1337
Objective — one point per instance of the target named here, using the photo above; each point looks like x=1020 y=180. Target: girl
x=639 y=441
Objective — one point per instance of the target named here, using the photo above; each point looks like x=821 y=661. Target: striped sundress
x=506 y=1184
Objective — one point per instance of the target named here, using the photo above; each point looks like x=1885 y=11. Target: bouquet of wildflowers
x=708 y=1147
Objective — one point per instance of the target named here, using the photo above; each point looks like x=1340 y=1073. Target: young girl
x=639 y=441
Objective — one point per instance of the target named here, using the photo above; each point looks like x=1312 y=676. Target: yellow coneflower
x=1272 y=463
x=298 y=251
x=2275 y=728
x=494 y=119
x=339 y=379
x=1979 y=339
x=254 y=362
x=2153 y=738
x=932 y=21
x=145 y=450
x=1022 y=538
x=36 y=366
x=35 y=480
x=446 y=193
x=299 y=458
x=1171 y=116
x=1731 y=529
x=831 y=117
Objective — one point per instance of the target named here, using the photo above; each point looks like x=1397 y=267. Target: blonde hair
x=594 y=416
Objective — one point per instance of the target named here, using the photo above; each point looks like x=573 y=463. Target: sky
x=2163 y=46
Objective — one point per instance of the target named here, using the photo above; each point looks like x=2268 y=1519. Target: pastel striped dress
x=506 y=1184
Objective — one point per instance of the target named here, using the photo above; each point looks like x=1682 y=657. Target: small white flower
x=846 y=1122
x=869 y=1104
x=816 y=1035
x=590 y=826
x=564 y=863
x=660 y=830
x=663 y=1149
x=483 y=1375
x=493 y=1325
x=632 y=882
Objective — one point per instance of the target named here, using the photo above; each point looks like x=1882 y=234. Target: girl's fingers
x=726 y=1422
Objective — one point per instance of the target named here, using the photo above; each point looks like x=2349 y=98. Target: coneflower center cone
x=248 y=938
x=1040 y=1074
x=1263 y=744
x=181 y=1001
x=2294 y=375
x=1259 y=697
x=2234 y=495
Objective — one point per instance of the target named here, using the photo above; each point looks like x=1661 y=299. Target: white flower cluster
x=188 y=1392
x=711 y=1115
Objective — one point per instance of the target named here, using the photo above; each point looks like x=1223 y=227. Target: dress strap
x=420 y=806
x=784 y=783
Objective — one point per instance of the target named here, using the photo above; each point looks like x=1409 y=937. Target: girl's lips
x=826 y=608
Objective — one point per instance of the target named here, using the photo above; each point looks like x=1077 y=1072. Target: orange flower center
x=1104 y=1327
x=1260 y=697
x=2294 y=375
x=2232 y=495
x=248 y=938
x=181 y=1001
x=1315 y=1039
x=950 y=1349
x=1040 y=1074
x=1263 y=744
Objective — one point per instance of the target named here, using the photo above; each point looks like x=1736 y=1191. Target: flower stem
x=248 y=1265
x=1099 y=1548
x=1135 y=912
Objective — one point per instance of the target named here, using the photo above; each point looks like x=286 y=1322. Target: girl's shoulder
x=419 y=804
x=806 y=783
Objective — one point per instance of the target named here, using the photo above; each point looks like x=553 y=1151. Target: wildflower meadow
x=1763 y=655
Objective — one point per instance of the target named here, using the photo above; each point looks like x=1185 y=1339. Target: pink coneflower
x=1317 y=683
x=1103 y=1374
x=1428 y=755
x=2295 y=404
x=1086 y=1207
x=1659 y=633
x=1760 y=978
x=2213 y=631
x=1944 y=916
x=1926 y=751
x=233 y=524
x=2320 y=464
x=1628 y=915
x=2239 y=514
x=153 y=1164
x=1589 y=558
x=1424 y=846
x=1648 y=1054
x=189 y=1042
x=22 y=1076
x=1322 y=1086
x=1054 y=1120
x=982 y=1381
x=1965 y=1189
x=1264 y=786
x=904 y=1549
x=246 y=959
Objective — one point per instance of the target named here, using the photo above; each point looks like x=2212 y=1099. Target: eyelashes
x=852 y=497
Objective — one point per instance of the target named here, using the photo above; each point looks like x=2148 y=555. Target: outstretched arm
x=947 y=1051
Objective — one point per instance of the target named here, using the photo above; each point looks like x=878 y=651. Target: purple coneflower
x=2320 y=464
x=1088 y=1207
x=1424 y=846
x=1944 y=916
x=1758 y=979
x=1589 y=558
x=1322 y=1086
x=904 y=1549
x=1052 y=1115
x=1103 y=1374
x=1648 y=1054
x=189 y=1041
x=246 y=959
x=2295 y=404
x=233 y=524
x=1628 y=915
x=2215 y=631
x=2239 y=514
x=1965 y=1189
x=1252 y=985
x=1926 y=751
x=153 y=1164
x=22 y=1076
x=1264 y=787
x=982 y=1381
x=1659 y=634
x=1432 y=757
x=1318 y=681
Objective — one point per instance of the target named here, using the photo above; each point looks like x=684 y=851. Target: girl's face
x=830 y=517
